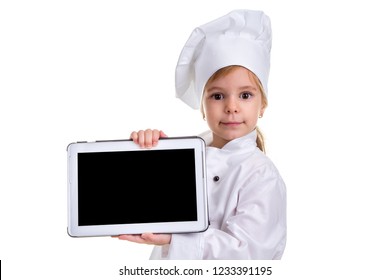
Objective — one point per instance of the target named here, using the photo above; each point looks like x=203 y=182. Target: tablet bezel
x=170 y=143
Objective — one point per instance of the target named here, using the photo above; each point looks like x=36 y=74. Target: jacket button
x=216 y=178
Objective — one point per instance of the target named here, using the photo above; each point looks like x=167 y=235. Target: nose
x=231 y=106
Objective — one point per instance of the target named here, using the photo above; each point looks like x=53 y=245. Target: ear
x=202 y=111
x=261 y=113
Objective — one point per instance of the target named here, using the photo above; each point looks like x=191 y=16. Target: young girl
x=223 y=70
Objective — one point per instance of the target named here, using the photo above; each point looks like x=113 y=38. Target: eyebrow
x=240 y=88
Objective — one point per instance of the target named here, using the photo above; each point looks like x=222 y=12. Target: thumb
x=162 y=134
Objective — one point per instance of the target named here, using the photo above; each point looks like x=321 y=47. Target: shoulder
x=261 y=161
x=262 y=170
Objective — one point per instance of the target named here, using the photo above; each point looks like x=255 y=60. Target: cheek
x=259 y=107
x=209 y=113
x=209 y=108
x=255 y=108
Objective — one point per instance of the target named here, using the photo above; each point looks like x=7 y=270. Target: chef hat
x=242 y=37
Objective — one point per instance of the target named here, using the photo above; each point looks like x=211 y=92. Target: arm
x=256 y=229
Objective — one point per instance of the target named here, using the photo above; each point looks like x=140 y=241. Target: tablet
x=115 y=187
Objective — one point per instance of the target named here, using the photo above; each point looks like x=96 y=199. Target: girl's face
x=232 y=105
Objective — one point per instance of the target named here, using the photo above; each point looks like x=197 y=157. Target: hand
x=147 y=238
x=147 y=138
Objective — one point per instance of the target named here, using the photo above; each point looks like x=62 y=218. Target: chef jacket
x=247 y=208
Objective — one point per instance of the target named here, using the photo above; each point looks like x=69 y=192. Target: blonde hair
x=260 y=141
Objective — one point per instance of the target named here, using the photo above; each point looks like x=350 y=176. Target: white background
x=87 y=70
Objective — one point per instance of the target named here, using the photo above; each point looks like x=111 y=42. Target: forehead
x=232 y=76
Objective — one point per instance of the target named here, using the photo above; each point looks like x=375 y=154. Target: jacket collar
x=248 y=140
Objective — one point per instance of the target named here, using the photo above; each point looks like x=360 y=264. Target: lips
x=231 y=123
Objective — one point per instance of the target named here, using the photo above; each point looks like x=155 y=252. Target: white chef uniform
x=247 y=208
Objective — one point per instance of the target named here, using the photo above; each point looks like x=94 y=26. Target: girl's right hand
x=147 y=138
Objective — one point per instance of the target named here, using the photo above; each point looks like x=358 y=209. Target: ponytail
x=260 y=140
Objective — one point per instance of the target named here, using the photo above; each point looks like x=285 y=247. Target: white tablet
x=115 y=187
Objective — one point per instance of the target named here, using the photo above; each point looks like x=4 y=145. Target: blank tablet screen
x=113 y=187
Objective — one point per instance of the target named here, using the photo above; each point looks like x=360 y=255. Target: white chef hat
x=242 y=37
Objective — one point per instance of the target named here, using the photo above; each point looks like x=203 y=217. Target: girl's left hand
x=147 y=238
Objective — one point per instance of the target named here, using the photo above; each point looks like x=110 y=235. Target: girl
x=223 y=69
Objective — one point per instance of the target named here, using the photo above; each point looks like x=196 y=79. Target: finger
x=148 y=138
x=155 y=137
x=141 y=138
x=162 y=134
x=134 y=137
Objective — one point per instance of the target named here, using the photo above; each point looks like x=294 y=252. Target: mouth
x=231 y=123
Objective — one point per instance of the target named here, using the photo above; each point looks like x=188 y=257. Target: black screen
x=149 y=186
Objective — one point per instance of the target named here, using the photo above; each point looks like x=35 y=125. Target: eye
x=217 y=96
x=246 y=95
